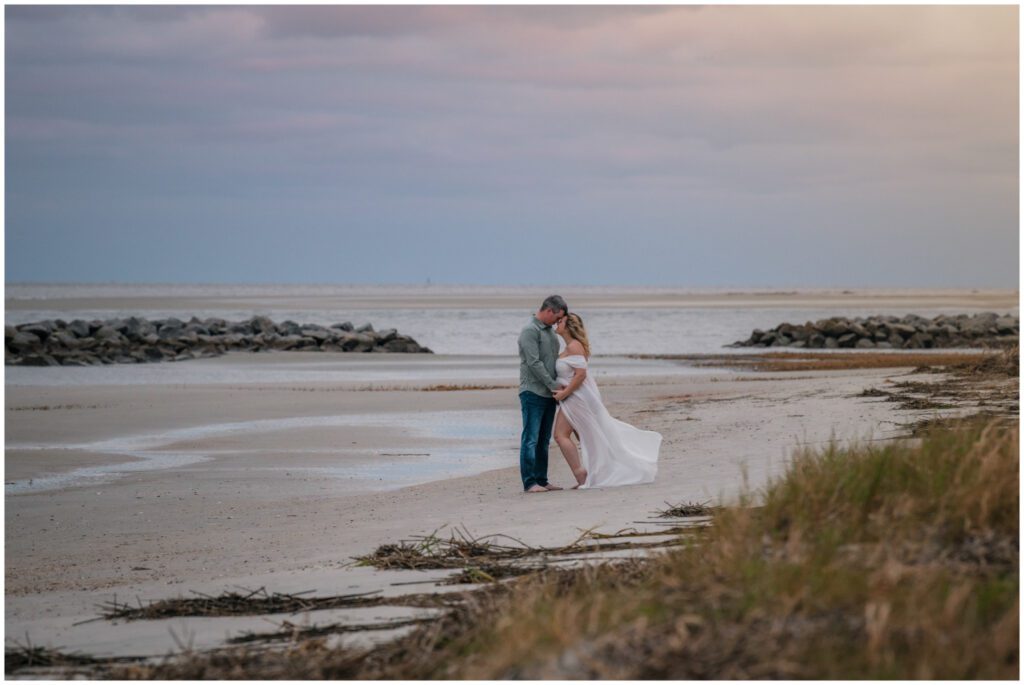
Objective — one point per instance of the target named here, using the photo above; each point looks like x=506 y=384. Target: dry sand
x=258 y=513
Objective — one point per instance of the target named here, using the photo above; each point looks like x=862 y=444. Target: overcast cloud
x=700 y=146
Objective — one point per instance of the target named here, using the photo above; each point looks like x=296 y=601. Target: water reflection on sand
x=473 y=441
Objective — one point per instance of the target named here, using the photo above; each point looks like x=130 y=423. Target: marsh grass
x=989 y=384
x=1006 y=363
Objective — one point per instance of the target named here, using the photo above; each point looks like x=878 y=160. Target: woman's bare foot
x=537 y=488
x=581 y=477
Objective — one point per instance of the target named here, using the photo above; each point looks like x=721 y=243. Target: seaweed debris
x=686 y=510
x=462 y=550
x=257 y=602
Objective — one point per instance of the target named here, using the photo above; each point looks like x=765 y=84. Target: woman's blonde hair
x=574 y=324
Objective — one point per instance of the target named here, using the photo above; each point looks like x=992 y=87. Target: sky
x=701 y=146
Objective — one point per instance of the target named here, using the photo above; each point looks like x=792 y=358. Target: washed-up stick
x=236 y=604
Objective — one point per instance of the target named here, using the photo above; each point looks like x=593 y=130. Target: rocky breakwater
x=136 y=340
x=891 y=332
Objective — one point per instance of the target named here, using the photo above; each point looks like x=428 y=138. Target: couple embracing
x=557 y=394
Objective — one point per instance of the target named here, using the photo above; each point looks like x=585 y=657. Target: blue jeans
x=538 y=420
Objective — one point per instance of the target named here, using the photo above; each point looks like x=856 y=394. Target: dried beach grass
x=827 y=361
x=989 y=384
x=258 y=602
x=290 y=632
x=462 y=550
x=686 y=510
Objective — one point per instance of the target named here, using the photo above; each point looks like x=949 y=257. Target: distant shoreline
x=65 y=297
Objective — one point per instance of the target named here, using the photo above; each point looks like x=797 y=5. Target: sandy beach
x=155 y=491
x=275 y=469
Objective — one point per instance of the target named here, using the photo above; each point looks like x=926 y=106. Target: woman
x=611 y=452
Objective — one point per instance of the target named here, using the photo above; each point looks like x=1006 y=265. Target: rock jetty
x=55 y=342
x=891 y=332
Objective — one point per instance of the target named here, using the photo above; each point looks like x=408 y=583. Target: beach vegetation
x=865 y=561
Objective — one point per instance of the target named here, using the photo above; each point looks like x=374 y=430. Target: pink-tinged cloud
x=845 y=120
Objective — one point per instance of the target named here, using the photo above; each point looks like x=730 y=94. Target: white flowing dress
x=613 y=452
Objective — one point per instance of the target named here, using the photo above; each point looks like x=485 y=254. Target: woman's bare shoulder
x=574 y=347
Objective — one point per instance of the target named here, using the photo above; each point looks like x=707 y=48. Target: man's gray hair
x=554 y=303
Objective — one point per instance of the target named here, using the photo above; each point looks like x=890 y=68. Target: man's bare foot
x=549 y=486
x=537 y=488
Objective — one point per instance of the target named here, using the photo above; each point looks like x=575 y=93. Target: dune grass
x=872 y=561
x=894 y=561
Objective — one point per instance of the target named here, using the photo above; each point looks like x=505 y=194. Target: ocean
x=464 y=320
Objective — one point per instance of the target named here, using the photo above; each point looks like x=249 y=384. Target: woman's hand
x=561 y=394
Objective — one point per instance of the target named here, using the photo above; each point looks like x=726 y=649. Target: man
x=538 y=350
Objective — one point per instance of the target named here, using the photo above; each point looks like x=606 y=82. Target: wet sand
x=269 y=503
x=26 y=465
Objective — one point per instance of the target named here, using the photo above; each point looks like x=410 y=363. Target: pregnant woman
x=611 y=452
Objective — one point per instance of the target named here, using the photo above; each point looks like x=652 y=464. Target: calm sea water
x=471 y=331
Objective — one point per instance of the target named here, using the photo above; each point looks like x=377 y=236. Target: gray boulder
x=847 y=340
x=23 y=340
x=262 y=324
x=41 y=330
x=65 y=339
x=80 y=328
x=107 y=333
x=1007 y=325
x=358 y=342
x=319 y=333
x=39 y=359
x=903 y=330
x=286 y=342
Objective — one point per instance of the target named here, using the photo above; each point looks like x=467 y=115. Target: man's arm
x=529 y=346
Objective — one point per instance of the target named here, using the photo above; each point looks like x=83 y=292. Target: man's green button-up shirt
x=538 y=350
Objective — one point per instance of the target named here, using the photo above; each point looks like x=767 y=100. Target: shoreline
x=241 y=519
x=411 y=297
x=325 y=370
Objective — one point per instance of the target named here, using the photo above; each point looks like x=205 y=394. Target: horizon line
x=431 y=284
